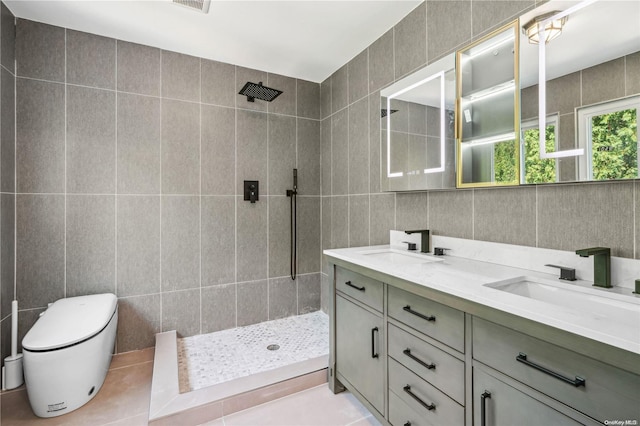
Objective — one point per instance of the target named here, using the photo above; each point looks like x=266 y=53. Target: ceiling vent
x=199 y=5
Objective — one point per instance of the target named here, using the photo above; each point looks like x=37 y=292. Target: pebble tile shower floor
x=208 y=359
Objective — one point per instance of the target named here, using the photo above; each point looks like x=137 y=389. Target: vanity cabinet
x=360 y=342
x=599 y=390
x=417 y=356
x=496 y=403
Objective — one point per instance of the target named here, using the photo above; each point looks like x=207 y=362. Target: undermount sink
x=589 y=301
x=398 y=257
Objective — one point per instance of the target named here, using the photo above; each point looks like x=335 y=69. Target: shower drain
x=273 y=347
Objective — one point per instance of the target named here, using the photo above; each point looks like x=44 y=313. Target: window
x=609 y=133
x=536 y=169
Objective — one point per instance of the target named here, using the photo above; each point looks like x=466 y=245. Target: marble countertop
x=466 y=278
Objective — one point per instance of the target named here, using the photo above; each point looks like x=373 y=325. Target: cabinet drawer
x=420 y=395
x=505 y=405
x=361 y=288
x=431 y=318
x=441 y=370
x=400 y=414
x=608 y=393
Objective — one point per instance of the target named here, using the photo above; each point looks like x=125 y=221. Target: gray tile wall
x=7 y=175
x=557 y=216
x=130 y=168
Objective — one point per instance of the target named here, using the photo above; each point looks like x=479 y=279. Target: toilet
x=67 y=353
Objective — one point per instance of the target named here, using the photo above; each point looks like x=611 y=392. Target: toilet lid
x=71 y=320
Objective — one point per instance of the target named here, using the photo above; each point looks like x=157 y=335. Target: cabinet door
x=495 y=403
x=360 y=350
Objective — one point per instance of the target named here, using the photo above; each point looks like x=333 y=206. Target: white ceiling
x=305 y=39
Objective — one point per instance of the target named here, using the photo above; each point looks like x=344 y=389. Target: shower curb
x=169 y=407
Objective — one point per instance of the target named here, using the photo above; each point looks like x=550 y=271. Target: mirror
x=588 y=82
x=488 y=114
x=417 y=129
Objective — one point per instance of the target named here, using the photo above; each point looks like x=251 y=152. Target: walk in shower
x=200 y=378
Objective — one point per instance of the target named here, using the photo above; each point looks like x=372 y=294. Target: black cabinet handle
x=483 y=409
x=354 y=286
x=578 y=381
x=408 y=353
x=374 y=354
x=429 y=407
x=418 y=314
x=407 y=424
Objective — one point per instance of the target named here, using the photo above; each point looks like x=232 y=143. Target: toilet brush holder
x=13 y=377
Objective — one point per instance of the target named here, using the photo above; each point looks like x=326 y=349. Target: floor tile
x=315 y=407
x=131 y=358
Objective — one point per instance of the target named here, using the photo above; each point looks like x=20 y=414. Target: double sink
x=592 y=302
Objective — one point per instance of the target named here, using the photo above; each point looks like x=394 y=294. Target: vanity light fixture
x=542 y=82
x=505 y=137
x=542 y=25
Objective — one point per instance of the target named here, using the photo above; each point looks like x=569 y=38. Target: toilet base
x=60 y=381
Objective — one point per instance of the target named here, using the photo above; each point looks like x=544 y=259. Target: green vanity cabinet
x=420 y=356
x=600 y=390
x=496 y=404
x=360 y=339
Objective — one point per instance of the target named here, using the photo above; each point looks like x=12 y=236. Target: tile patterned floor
x=208 y=359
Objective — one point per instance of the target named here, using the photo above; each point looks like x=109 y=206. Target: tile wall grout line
x=15 y=177
x=65 y=167
x=236 y=196
x=267 y=197
x=368 y=146
x=296 y=222
x=200 y=304
x=160 y=203
x=115 y=260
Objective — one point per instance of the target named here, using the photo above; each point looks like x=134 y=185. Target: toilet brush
x=12 y=371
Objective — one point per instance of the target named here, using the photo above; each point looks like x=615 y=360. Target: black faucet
x=424 y=242
x=601 y=264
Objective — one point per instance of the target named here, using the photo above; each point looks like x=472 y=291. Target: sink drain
x=273 y=347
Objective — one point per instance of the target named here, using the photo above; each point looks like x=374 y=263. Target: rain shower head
x=383 y=112
x=264 y=93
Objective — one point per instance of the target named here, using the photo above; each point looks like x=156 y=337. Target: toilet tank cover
x=71 y=320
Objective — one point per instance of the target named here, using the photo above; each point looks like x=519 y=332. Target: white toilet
x=67 y=353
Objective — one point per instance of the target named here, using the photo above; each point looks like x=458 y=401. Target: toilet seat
x=70 y=321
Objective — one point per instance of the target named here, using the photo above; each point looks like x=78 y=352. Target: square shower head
x=264 y=93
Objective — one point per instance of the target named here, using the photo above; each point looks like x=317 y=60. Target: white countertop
x=465 y=278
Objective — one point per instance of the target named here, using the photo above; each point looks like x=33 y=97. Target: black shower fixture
x=383 y=112
x=264 y=93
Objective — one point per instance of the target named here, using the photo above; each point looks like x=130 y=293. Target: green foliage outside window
x=615 y=145
x=537 y=170
x=505 y=157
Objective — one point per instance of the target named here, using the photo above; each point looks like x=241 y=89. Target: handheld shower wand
x=294 y=225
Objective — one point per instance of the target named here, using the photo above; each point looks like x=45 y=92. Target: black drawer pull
x=408 y=353
x=418 y=314
x=374 y=354
x=407 y=424
x=354 y=286
x=429 y=407
x=483 y=409
x=578 y=381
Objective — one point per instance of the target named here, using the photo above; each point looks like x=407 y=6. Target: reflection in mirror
x=488 y=119
x=417 y=138
x=586 y=86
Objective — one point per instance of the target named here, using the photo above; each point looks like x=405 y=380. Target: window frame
x=584 y=132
